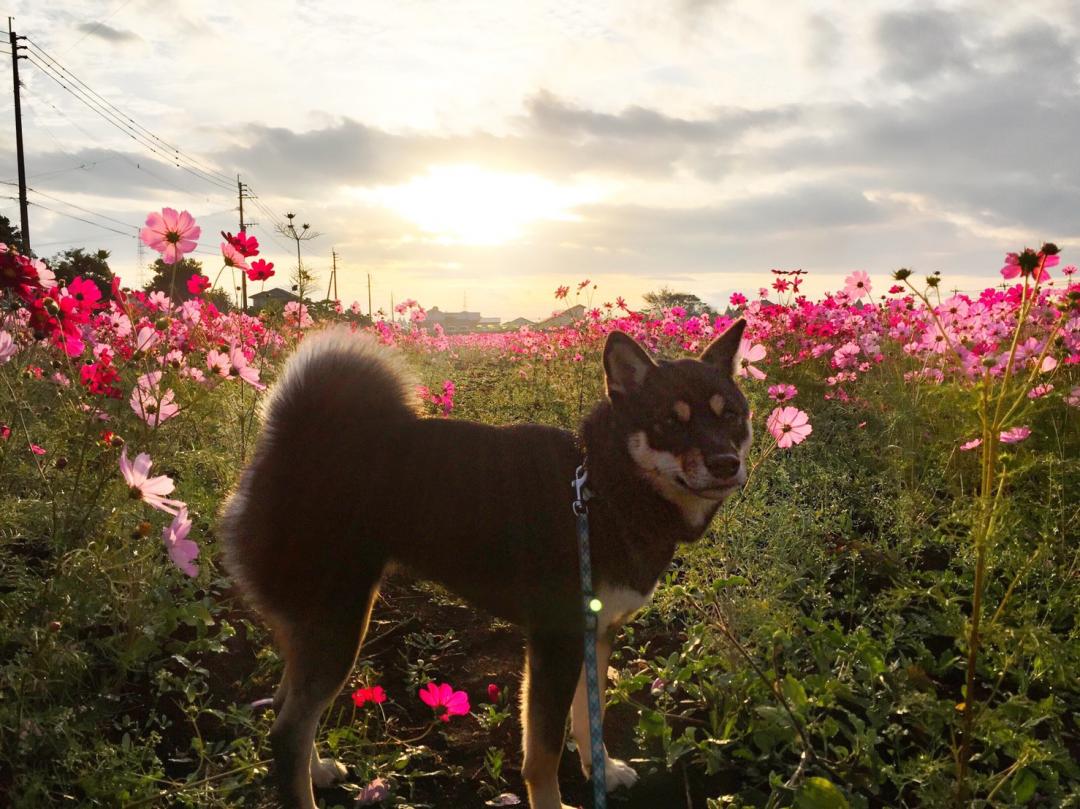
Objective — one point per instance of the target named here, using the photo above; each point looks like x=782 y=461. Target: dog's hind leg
x=320 y=652
x=551 y=669
x=616 y=773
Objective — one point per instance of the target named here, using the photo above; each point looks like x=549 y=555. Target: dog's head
x=686 y=423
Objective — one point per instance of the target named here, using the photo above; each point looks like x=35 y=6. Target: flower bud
x=932 y=280
x=61 y=462
x=51 y=306
x=988 y=362
x=901 y=274
x=162 y=324
x=1050 y=249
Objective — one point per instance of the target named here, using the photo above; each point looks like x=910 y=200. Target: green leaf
x=820 y=793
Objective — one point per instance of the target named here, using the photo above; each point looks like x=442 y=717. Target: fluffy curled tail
x=332 y=393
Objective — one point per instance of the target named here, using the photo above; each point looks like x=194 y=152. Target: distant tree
x=172 y=278
x=220 y=298
x=10 y=233
x=665 y=298
x=91 y=266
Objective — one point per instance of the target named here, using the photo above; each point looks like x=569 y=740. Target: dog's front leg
x=552 y=663
x=616 y=773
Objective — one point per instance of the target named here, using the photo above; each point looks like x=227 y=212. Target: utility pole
x=243 y=229
x=333 y=275
x=369 y=312
x=23 y=211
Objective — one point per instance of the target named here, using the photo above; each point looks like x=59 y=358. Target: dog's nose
x=723 y=466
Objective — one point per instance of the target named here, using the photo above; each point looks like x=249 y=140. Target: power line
x=117 y=112
x=80 y=219
x=177 y=158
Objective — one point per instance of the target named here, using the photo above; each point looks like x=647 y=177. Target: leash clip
x=581 y=492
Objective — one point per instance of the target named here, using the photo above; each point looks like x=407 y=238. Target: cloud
x=106 y=32
x=922 y=44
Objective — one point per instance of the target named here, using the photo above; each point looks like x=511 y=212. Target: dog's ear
x=625 y=365
x=724 y=350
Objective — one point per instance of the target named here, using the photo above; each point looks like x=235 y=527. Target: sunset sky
x=491 y=151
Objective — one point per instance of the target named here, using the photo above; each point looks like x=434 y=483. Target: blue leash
x=591 y=606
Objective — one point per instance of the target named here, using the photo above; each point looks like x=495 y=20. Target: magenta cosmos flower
x=182 y=550
x=170 y=233
x=362 y=696
x=788 y=426
x=143 y=487
x=444 y=700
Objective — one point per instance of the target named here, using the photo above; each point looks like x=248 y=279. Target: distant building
x=517 y=323
x=569 y=316
x=260 y=299
x=458 y=322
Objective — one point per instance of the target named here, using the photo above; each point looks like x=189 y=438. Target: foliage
x=77 y=262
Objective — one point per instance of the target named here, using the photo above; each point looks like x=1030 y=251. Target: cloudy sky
x=490 y=151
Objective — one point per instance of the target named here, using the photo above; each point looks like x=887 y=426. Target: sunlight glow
x=466 y=204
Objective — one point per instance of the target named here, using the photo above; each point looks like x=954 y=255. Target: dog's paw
x=619 y=774
x=326 y=772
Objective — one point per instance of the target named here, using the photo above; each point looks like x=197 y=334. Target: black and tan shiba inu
x=347 y=481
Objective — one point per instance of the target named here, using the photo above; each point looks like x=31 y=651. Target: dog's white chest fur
x=618 y=604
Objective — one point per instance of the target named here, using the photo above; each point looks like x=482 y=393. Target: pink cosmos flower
x=1039 y=391
x=151 y=490
x=1014 y=435
x=857 y=284
x=296 y=314
x=782 y=392
x=240 y=367
x=7 y=347
x=233 y=257
x=181 y=550
x=749 y=353
x=170 y=233
x=148 y=405
x=738 y=299
x=248 y=246
x=493 y=692
x=974 y=442
x=445 y=700
x=788 y=426
x=561 y=292
x=198 y=284
x=375 y=792
x=218 y=362
x=34 y=448
x=375 y=694
x=1073 y=398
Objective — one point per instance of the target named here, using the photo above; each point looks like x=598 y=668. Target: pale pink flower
x=218 y=362
x=857 y=284
x=238 y=366
x=150 y=490
x=1073 y=398
x=296 y=314
x=445 y=700
x=7 y=347
x=1039 y=391
x=170 y=233
x=149 y=406
x=749 y=353
x=146 y=338
x=974 y=442
x=181 y=550
x=788 y=426
x=1014 y=435
x=233 y=257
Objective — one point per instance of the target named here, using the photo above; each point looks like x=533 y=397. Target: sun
x=466 y=204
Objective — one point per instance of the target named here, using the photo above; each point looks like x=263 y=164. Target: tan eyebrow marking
x=682 y=411
x=716 y=402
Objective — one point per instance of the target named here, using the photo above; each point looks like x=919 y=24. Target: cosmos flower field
x=885 y=616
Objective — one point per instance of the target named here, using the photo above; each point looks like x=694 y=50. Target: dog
x=347 y=481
